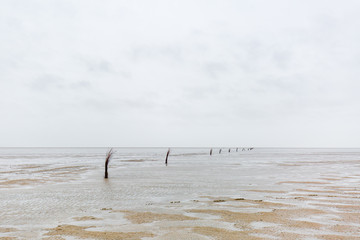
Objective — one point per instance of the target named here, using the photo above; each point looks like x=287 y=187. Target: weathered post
x=167 y=155
x=107 y=160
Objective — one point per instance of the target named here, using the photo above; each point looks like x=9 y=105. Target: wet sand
x=295 y=199
x=227 y=218
x=253 y=219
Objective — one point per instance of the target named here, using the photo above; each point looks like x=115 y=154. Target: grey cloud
x=98 y=65
x=215 y=69
x=80 y=85
x=282 y=58
x=201 y=92
x=149 y=52
x=292 y=84
x=49 y=82
x=115 y=106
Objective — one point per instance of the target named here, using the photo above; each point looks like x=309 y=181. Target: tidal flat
x=264 y=193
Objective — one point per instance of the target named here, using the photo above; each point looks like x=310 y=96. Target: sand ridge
x=148 y=217
x=82 y=232
x=87 y=218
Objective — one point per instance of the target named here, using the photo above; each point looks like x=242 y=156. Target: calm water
x=41 y=187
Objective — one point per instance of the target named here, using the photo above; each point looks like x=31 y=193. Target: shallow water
x=42 y=187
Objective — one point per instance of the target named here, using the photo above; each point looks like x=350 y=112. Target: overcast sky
x=138 y=73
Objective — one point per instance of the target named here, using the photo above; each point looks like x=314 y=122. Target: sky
x=181 y=73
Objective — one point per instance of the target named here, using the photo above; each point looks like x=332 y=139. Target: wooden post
x=167 y=155
x=107 y=160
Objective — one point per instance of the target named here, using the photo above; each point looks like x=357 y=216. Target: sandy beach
x=59 y=193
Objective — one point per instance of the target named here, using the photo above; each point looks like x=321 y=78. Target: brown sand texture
x=330 y=213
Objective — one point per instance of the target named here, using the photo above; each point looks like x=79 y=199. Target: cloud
x=240 y=70
x=47 y=82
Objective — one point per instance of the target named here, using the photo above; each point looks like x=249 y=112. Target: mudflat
x=258 y=194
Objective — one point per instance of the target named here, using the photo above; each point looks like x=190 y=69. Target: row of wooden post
x=111 y=152
x=211 y=152
x=237 y=149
